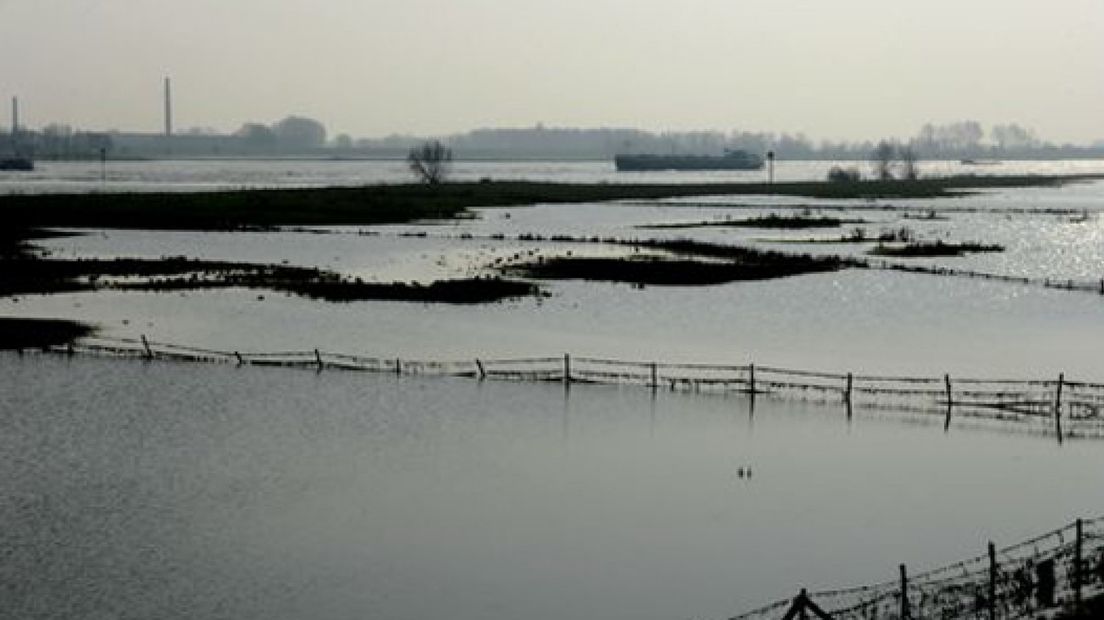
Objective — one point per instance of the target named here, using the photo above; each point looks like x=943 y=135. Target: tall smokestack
x=168 y=108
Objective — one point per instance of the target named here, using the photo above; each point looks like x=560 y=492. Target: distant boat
x=731 y=160
x=18 y=164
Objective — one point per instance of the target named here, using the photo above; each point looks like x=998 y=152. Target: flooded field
x=178 y=490
x=862 y=320
x=167 y=489
x=212 y=174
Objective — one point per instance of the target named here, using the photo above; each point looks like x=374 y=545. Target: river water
x=188 y=491
x=213 y=174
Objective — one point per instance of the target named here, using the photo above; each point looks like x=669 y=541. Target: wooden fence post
x=905 y=612
x=1058 y=406
x=482 y=371
x=950 y=402
x=567 y=368
x=801 y=607
x=992 y=581
x=146 y=344
x=1078 y=576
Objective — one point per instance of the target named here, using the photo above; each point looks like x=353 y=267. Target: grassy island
x=930 y=249
x=773 y=220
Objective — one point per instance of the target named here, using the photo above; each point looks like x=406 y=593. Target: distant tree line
x=306 y=136
x=958 y=140
x=294 y=133
x=56 y=141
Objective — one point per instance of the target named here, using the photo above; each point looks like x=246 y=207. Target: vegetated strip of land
x=23 y=271
x=387 y=204
x=700 y=264
x=21 y=276
x=35 y=333
x=936 y=248
x=773 y=220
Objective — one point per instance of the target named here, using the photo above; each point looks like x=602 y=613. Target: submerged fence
x=1059 y=405
x=1065 y=284
x=1053 y=572
x=1030 y=579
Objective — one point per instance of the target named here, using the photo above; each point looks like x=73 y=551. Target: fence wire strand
x=1072 y=408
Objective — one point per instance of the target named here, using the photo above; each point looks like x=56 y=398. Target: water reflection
x=172 y=490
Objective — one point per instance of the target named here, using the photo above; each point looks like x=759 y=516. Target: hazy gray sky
x=833 y=69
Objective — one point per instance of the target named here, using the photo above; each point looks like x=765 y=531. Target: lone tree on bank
x=882 y=158
x=430 y=162
x=910 y=169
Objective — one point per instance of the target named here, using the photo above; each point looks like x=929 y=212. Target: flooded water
x=202 y=175
x=172 y=490
x=193 y=491
x=856 y=320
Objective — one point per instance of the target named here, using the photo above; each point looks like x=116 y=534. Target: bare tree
x=882 y=158
x=430 y=162
x=910 y=170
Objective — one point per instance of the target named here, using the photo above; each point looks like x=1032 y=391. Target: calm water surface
x=190 y=491
x=202 y=175
x=187 y=491
x=855 y=320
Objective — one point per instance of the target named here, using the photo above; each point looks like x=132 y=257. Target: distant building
x=130 y=144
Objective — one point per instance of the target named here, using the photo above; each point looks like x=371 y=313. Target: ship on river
x=731 y=160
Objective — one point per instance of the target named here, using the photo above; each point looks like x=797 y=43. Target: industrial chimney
x=168 y=108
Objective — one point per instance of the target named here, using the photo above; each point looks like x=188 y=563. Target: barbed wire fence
x=1061 y=407
x=1041 y=577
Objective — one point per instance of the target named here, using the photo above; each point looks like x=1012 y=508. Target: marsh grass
x=773 y=220
x=390 y=204
x=938 y=248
